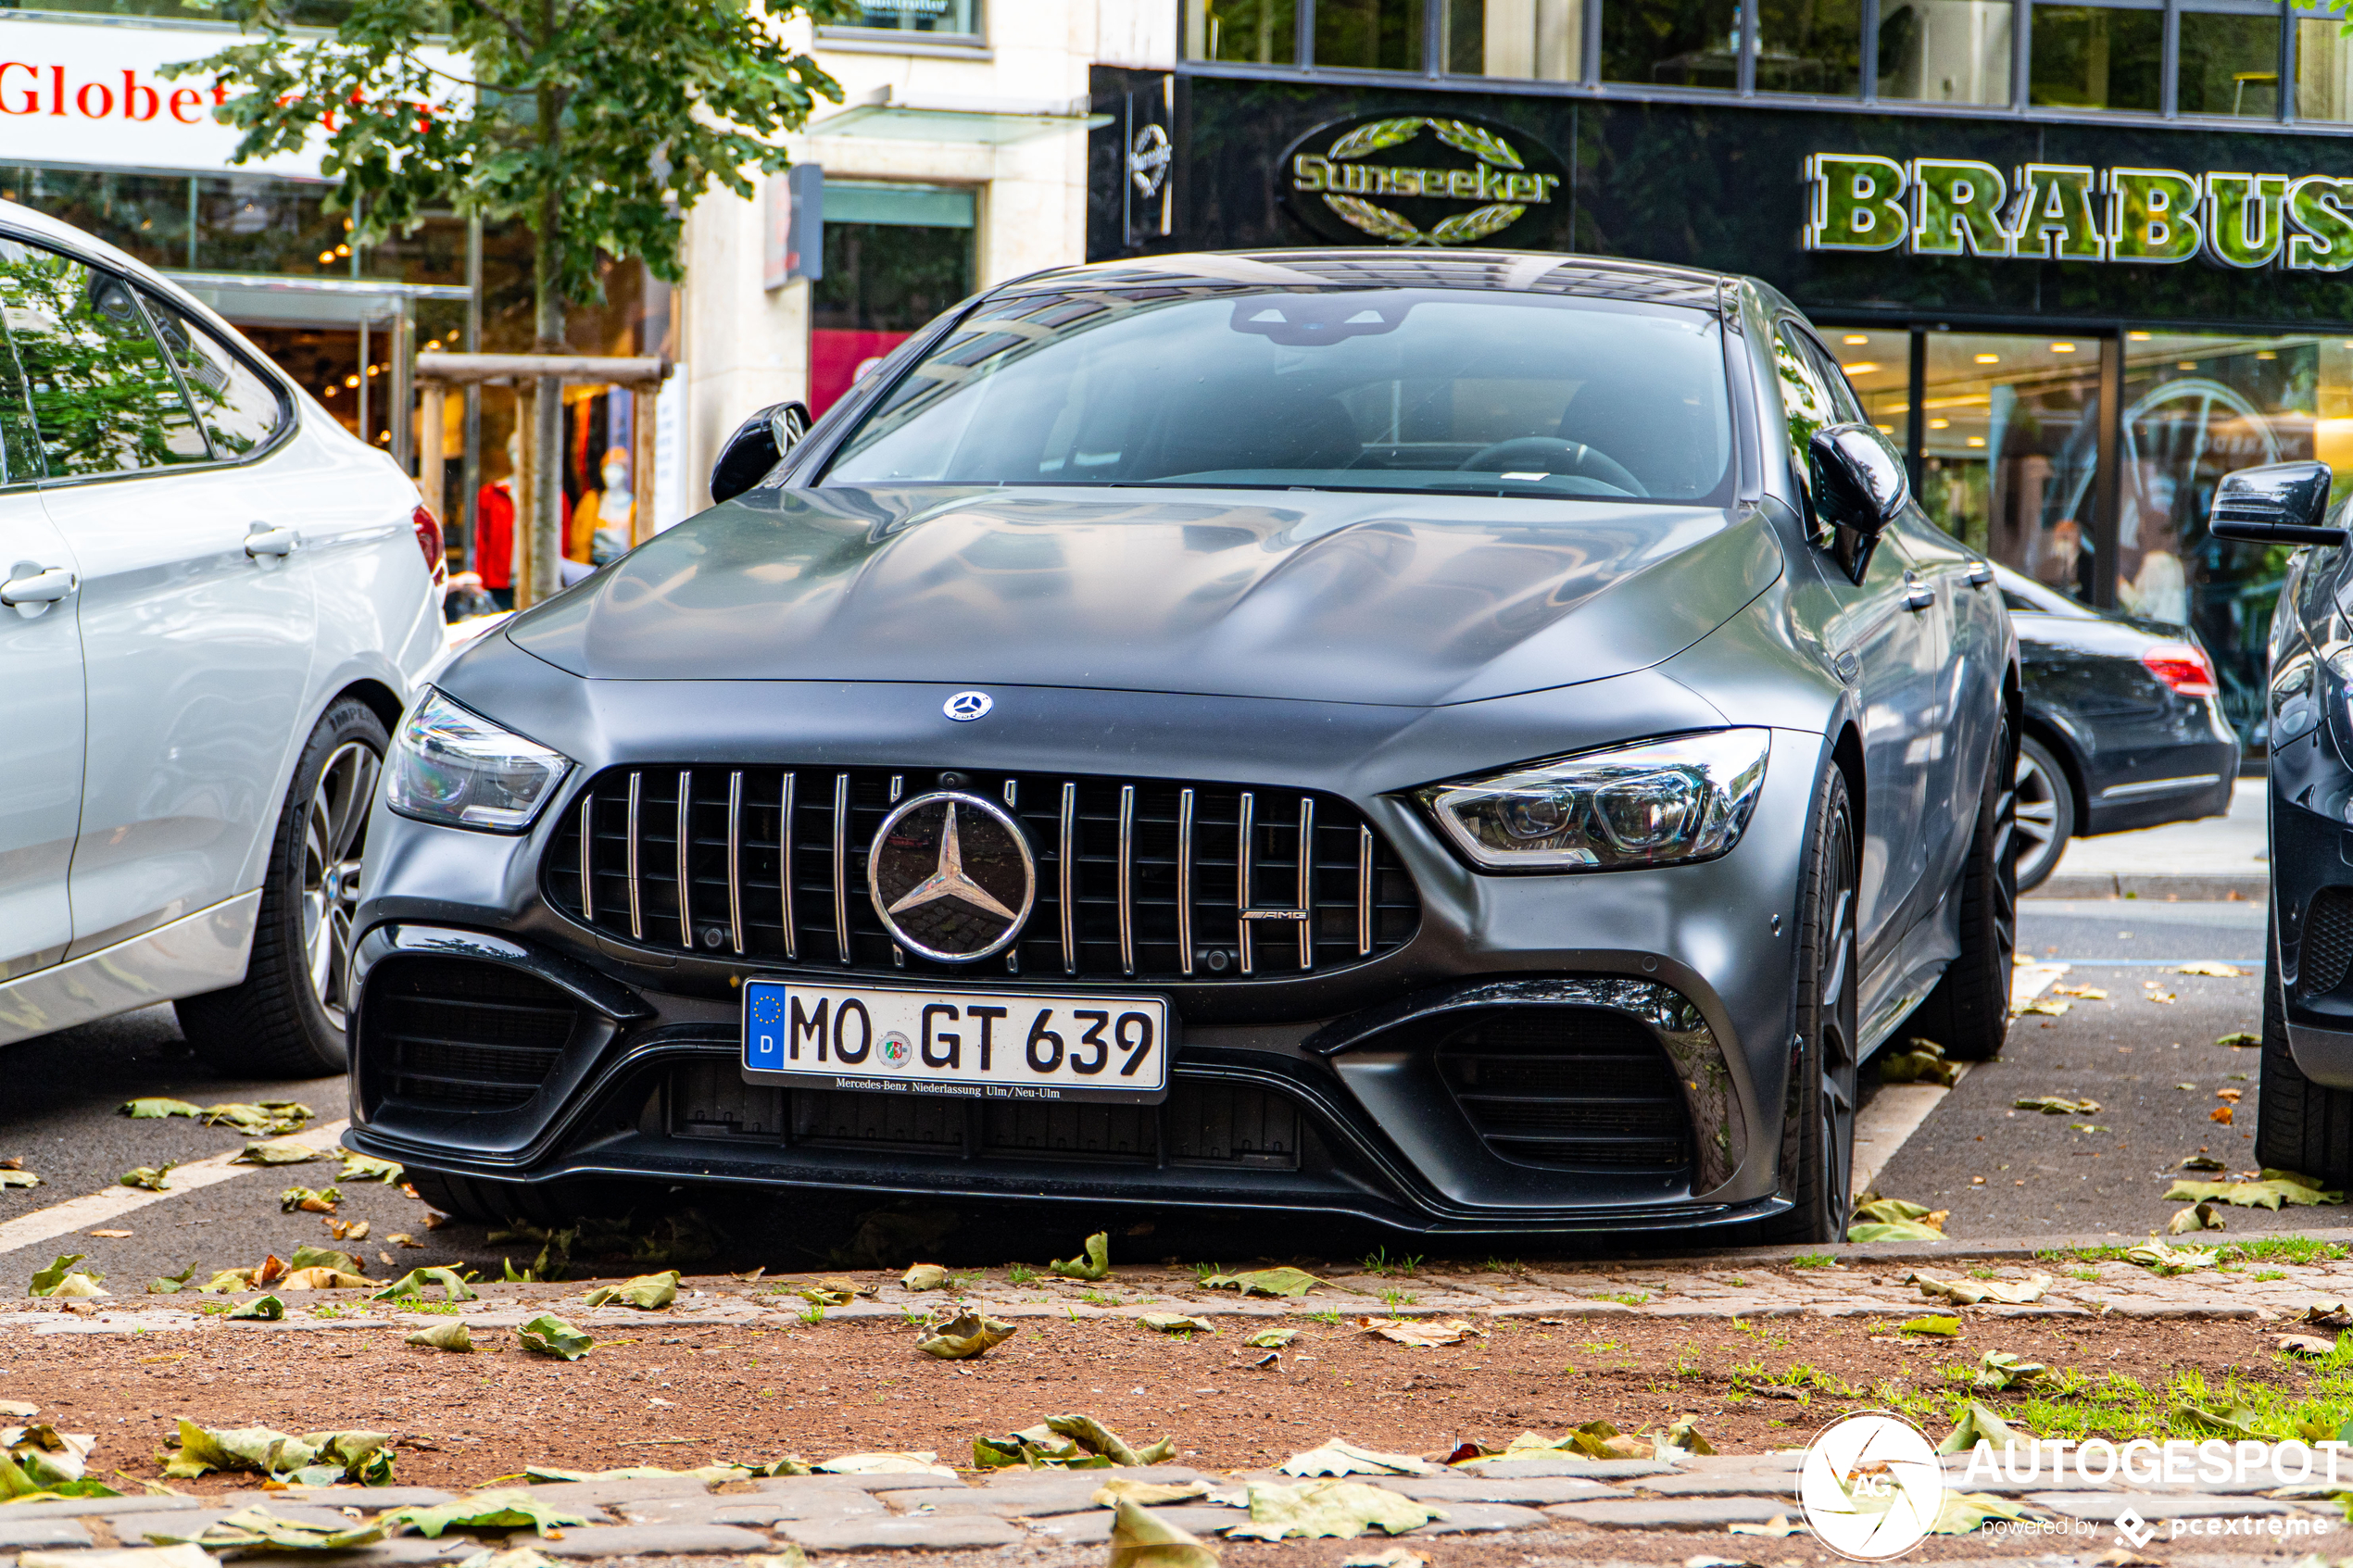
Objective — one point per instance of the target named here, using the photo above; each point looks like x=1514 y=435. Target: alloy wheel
x=1837 y=1026
x=2035 y=813
x=334 y=835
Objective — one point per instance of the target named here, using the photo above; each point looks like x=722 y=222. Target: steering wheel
x=1551 y=454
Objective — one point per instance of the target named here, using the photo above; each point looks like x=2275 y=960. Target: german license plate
x=971 y=1045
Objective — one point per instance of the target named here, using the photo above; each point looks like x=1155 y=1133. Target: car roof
x=1371 y=266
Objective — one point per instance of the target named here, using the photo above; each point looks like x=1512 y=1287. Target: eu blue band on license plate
x=959 y=1044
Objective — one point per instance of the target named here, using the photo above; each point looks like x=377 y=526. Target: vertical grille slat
x=1138 y=879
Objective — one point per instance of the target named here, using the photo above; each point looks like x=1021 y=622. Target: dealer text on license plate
x=974 y=1045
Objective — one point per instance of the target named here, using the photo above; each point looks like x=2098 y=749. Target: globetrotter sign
x=2073 y=212
x=1419 y=180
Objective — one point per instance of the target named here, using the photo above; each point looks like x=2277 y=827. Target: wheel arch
x=380 y=699
x=1846 y=755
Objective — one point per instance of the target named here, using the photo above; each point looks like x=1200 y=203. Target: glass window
x=1370 y=389
x=1811 y=46
x=20 y=443
x=1878 y=367
x=1262 y=32
x=2097 y=57
x=1370 y=34
x=1671 y=43
x=949 y=17
x=1946 y=51
x=2324 y=68
x=1532 y=40
x=239 y=411
x=2011 y=450
x=2230 y=64
x=104 y=401
x=896 y=256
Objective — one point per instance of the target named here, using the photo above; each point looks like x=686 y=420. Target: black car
x=1478 y=741
x=2124 y=728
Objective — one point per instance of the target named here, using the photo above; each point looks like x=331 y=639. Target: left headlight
x=1655 y=803
x=457 y=768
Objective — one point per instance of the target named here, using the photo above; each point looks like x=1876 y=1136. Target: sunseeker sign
x=2073 y=212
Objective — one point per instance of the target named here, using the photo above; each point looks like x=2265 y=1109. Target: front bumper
x=1301 y=1094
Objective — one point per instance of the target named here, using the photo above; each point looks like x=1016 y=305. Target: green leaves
x=1271 y=1338
x=367 y=1168
x=411 y=1286
x=150 y=1177
x=1891 y=1219
x=548 y=1335
x=963 y=1337
x=1093 y=1265
x=277 y=1151
x=1341 y=1508
x=1177 y=1322
x=261 y=1309
x=172 y=1284
x=1921 y=1061
x=1339 y=1458
x=2196 y=1217
x=2274 y=1188
x=309 y=1200
x=258 y=1529
x=1066 y=1442
x=1140 y=1539
x=1978 y=1424
x=157 y=1110
x=317 y=1459
x=646 y=1292
x=506 y=1509
x=1943 y=1326
x=2154 y=1254
x=2057 y=1105
x=1285 y=1282
x=1998 y=1370
x=60 y=1280
x=1978 y=1292
x=450 y=1335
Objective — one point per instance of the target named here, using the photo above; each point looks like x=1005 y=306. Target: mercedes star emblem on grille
x=951 y=876
x=965 y=707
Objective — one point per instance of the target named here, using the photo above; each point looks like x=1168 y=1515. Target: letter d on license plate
x=969 y=1045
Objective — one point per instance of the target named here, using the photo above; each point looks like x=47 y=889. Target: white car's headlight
x=459 y=769
x=1650 y=804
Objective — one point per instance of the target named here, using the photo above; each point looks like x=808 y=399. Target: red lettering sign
x=31 y=102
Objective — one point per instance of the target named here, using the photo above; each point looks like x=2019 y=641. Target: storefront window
x=2324 y=68
x=1671 y=43
x=1262 y=32
x=1811 y=46
x=1946 y=51
x=1532 y=40
x=2231 y=64
x=2097 y=57
x=896 y=256
x=1878 y=367
x=2010 y=449
x=1370 y=34
x=951 y=16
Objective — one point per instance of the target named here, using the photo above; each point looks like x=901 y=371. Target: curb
x=1930 y=1251
x=2126 y=884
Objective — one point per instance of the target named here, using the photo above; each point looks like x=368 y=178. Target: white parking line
x=1895 y=1111
x=97 y=1208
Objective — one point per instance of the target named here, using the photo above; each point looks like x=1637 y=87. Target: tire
x=285 y=1019
x=1818 y=1121
x=2299 y=1125
x=2045 y=812
x=1968 y=1014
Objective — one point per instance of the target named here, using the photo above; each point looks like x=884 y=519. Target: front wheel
x=1969 y=1013
x=1818 y=1131
x=286 y=1018
x=2299 y=1125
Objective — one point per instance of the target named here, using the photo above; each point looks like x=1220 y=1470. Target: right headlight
x=1653 y=803
x=457 y=768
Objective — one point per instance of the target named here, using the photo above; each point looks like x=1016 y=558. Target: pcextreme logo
x=1870 y=1487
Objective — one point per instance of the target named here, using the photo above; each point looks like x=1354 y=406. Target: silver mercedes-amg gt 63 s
x=1476 y=743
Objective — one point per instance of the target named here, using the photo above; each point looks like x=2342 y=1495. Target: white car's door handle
x=1916 y=594
x=46 y=587
x=264 y=540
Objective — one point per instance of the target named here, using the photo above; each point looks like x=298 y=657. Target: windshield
x=1361 y=389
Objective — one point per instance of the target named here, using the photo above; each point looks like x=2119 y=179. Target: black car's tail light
x=2327 y=949
x=1143 y=878
x=1568 y=1088
x=460 y=1034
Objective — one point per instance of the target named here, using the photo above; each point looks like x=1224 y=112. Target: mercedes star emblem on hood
x=953 y=876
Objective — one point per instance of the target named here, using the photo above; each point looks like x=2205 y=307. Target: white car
x=214 y=604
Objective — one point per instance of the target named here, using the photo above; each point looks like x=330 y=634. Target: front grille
x=1569 y=1088
x=2328 y=942
x=1202 y=1123
x=1139 y=878
x=460 y=1034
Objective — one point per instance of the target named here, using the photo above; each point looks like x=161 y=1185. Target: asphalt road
x=2039 y=1174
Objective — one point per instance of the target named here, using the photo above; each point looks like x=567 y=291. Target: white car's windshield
x=1374 y=389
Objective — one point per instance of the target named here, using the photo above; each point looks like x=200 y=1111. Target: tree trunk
x=547 y=439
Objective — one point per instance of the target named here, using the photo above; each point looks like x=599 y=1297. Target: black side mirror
x=1858 y=480
x=2277 y=504
x=759 y=444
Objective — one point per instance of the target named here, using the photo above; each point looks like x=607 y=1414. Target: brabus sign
x=1420 y=180
x=2073 y=212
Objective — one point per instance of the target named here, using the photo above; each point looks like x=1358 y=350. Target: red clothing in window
x=495 y=533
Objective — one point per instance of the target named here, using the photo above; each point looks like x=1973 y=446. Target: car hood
x=1323 y=596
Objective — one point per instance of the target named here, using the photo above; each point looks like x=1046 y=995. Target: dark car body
x=1150 y=666
x=2124 y=707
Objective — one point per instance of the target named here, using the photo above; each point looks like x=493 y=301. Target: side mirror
x=1858 y=480
x=759 y=444
x=2277 y=504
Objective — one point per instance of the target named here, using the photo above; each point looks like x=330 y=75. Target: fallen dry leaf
x=1422 y=1333
x=1140 y=1539
x=110 y=1235
x=2219 y=1113
x=2220 y=971
x=2304 y=1344
x=963 y=1337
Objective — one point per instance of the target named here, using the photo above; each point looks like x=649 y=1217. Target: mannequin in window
x=601 y=524
x=494 y=529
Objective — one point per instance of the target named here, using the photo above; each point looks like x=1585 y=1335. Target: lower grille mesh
x=2328 y=942
x=460 y=1035
x=1569 y=1088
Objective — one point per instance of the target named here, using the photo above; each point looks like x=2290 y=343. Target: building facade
x=2079 y=260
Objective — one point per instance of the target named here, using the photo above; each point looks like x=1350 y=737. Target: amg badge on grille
x=951 y=876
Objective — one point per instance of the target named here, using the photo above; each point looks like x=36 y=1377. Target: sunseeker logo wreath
x=1338 y=188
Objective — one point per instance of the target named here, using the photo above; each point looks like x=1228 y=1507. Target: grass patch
x=2085 y=1274
x=1813 y=1260
x=1378 y=1262
x=1393 y=1299
x=1021 y=1273
x=2264 y=1276
x=2297 y=1249
x=1625 y=1297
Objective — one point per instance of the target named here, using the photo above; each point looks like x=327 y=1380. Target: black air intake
x=1568 y=1088
x=461 y=1035
x=2328 y=942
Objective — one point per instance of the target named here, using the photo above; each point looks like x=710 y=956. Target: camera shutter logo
x=1870 y=1487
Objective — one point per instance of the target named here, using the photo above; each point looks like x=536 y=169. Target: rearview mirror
x=759 y=444
x=1858 y=480
x=2277 y=504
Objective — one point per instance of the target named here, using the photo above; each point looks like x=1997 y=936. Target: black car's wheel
x=2299 y=1125
x=2045 y=813
x=285 y=1020
x=1818 y=1125
x=1968 y=1014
